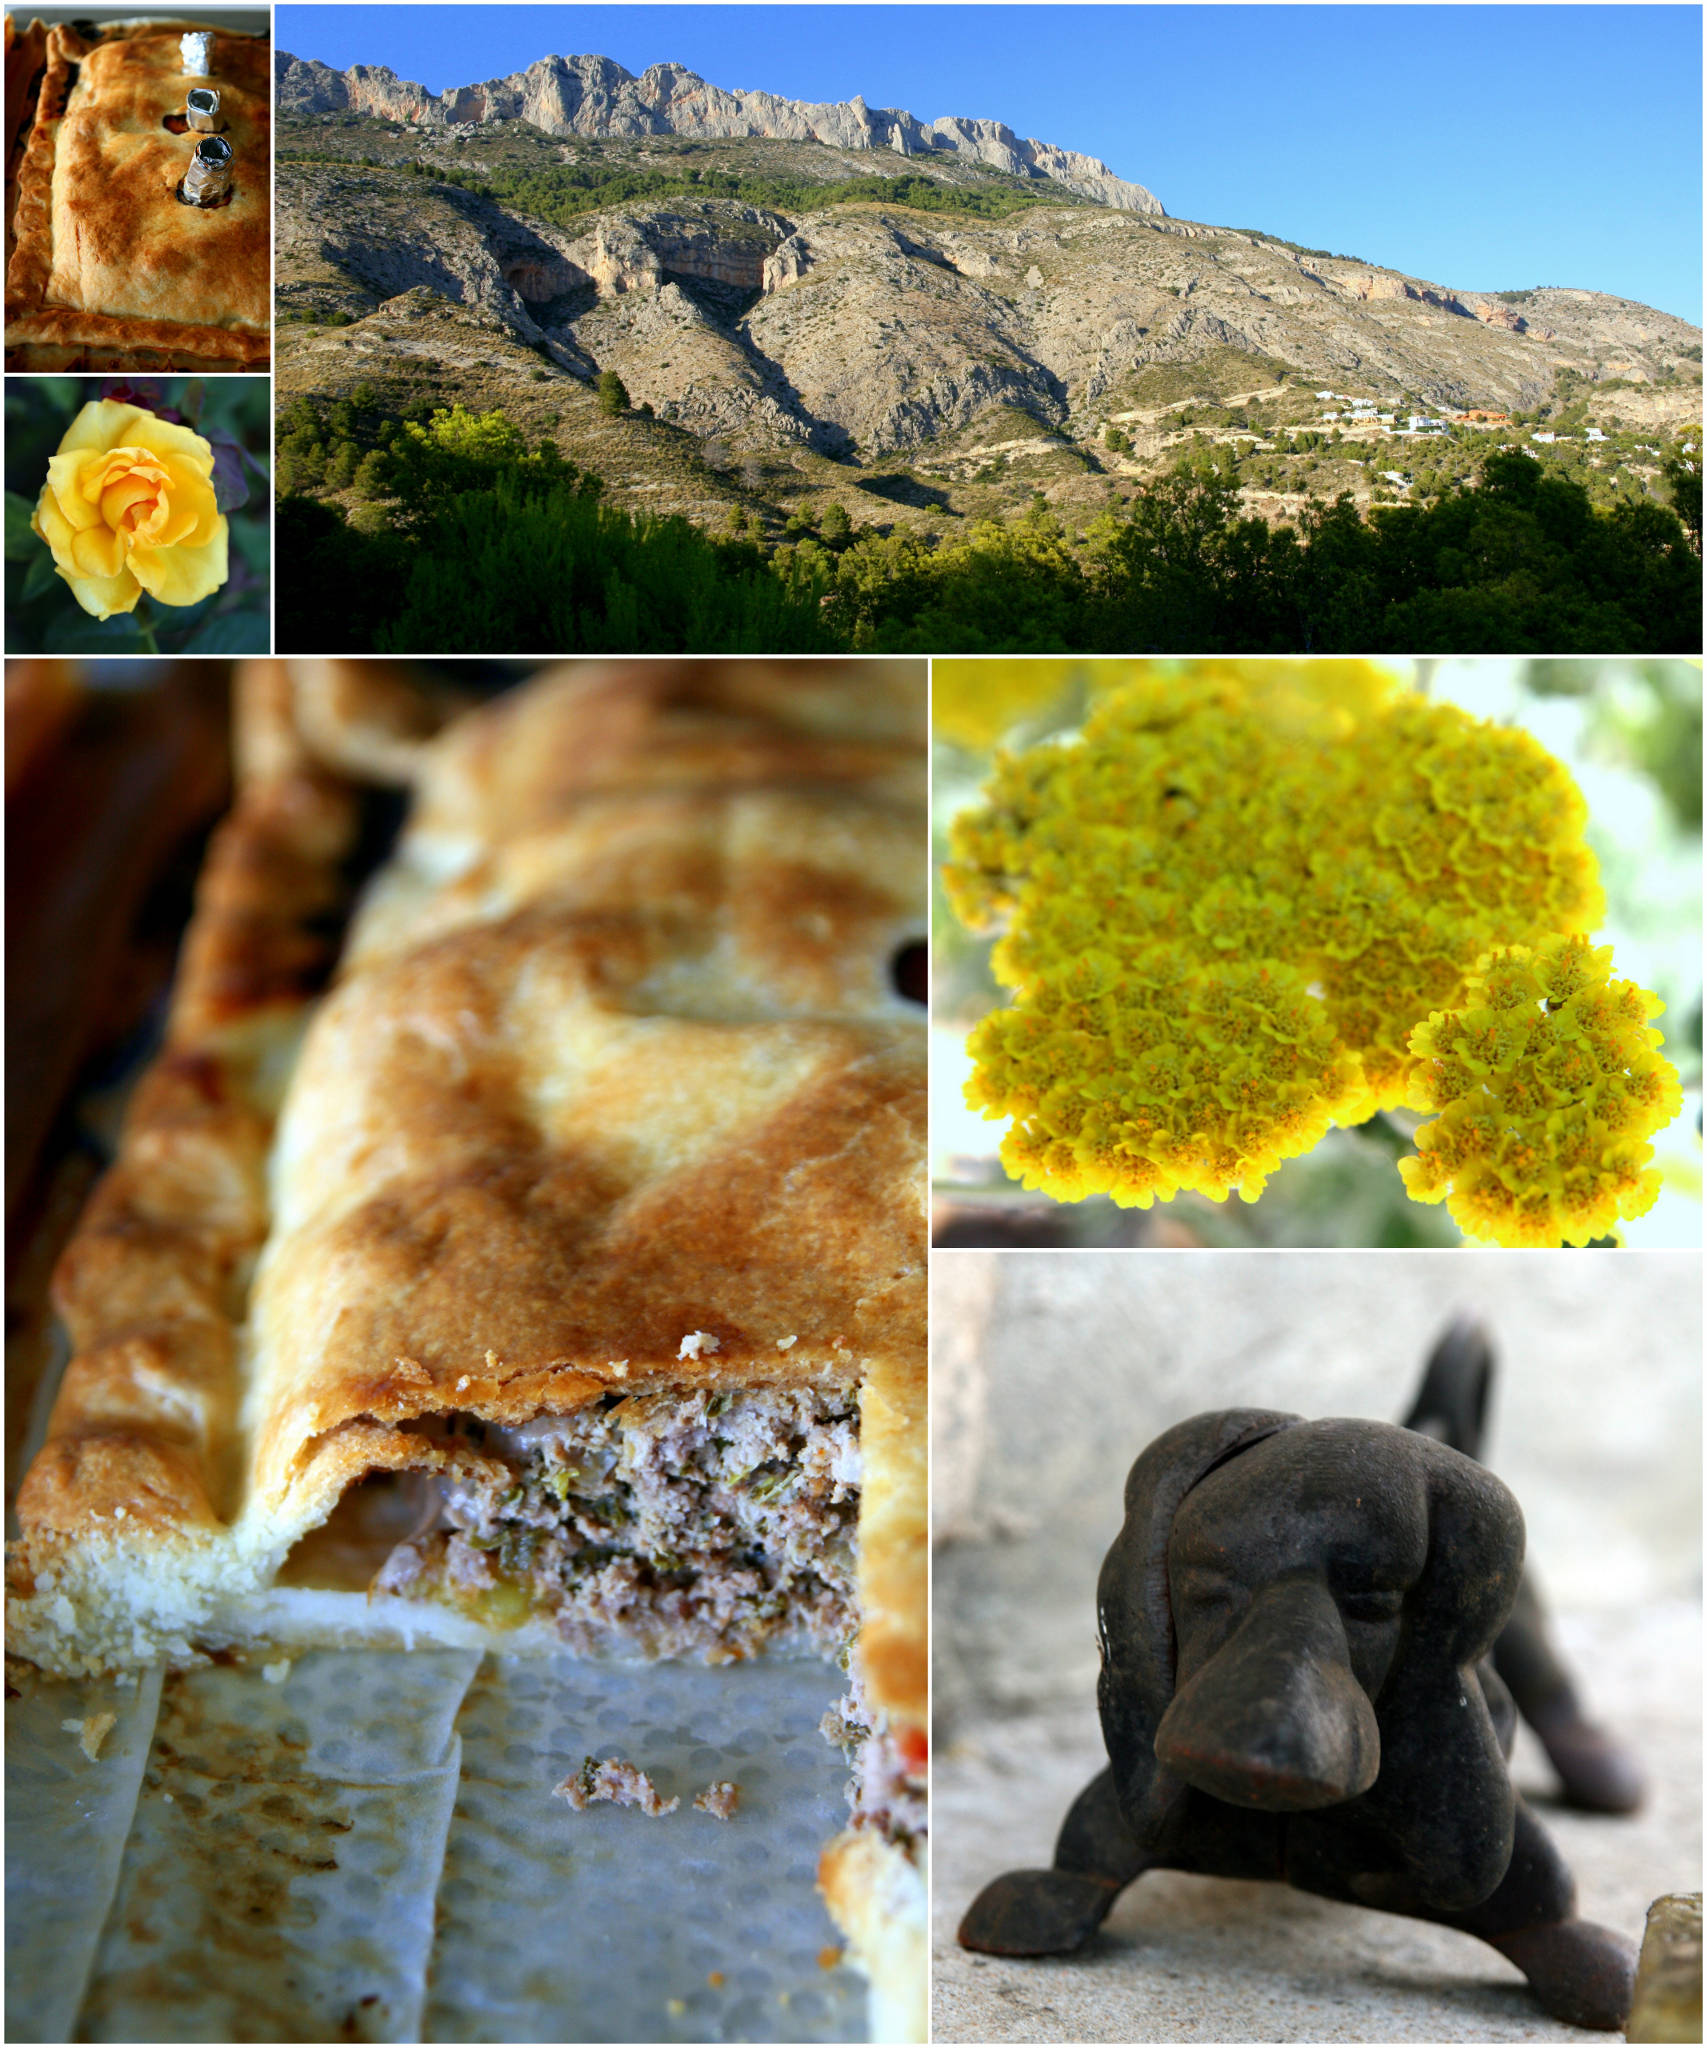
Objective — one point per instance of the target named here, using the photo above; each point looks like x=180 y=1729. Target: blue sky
x=1487 y=148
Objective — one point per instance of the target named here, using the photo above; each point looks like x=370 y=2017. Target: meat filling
x=701 y=1525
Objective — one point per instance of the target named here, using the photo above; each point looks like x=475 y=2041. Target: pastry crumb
x=91 y=1731
x=828 y=1958
x=276 y=1674
x=786 y=1343
x=697 y=1342
x=619 y=1783
x=716 y=1980
x=675 y=2007
x=719 y=1799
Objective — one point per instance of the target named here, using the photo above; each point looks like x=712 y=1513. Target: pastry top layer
x=106 y=251
x=612 y=1091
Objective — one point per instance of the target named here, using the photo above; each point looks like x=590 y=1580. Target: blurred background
x=1631 y=734
x=1051 y=1372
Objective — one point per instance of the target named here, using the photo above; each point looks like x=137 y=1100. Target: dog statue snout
x=1275 y=1720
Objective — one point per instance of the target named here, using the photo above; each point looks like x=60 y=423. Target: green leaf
x=74 y=632
x=39 y=577
x=231 y=633
x=21 y=540
x=252 y=542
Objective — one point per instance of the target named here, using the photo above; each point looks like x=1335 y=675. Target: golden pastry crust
x=110 y=268
x=894 y=1540
x=876 y=1894
x=612 y=1091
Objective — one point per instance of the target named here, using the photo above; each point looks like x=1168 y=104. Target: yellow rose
x=128 y=506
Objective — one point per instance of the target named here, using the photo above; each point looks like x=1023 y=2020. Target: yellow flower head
x=1309 y=855
x=1549 y=1084
x=129 y=507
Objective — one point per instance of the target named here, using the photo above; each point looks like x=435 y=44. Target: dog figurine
x=1296 y=1623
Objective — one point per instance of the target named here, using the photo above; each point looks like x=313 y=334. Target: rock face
x=593 y=97
x=877 y=329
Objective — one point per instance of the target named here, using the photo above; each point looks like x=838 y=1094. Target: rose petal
x=53 y=526
x=192 y=495
x=120 y=497
x=99 y=553
x=101 y=596
x=165 y=439
x=65 y=478
x=183 y=574
x=101 y=425
x=103 y=471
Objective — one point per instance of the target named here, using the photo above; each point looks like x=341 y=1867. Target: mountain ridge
x=597 y=98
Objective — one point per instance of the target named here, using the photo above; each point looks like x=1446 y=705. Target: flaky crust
x=894 y=1541
x=877 y=1896
x=110 y=269
x=612 y=1090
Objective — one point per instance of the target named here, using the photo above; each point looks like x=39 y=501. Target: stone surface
x=886 y=330
x=594 y=97
x=1204 y=1959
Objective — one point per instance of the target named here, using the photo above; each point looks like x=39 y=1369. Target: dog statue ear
x=1135 y=1627
x=1444 y=1799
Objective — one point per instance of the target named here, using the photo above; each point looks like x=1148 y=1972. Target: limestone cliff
x=591 y=96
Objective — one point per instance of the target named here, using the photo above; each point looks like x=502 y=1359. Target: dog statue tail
x=1595 y=1770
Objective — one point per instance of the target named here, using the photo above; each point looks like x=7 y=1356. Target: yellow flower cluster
x=1548 y=1084
x=1286 y=863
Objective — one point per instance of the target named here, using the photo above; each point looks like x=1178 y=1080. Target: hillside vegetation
x=525 y=170
x=465 y=539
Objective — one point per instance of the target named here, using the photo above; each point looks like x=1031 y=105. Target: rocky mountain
x=783 y=330
x=591 y=96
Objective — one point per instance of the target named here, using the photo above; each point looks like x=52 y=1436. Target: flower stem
x=145 y=630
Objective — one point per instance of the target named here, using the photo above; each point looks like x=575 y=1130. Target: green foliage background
x=1523 y=563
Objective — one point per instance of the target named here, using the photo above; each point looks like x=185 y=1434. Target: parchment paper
x=366 y=1848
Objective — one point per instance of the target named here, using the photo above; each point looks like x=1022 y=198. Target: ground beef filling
x=698 y=1525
